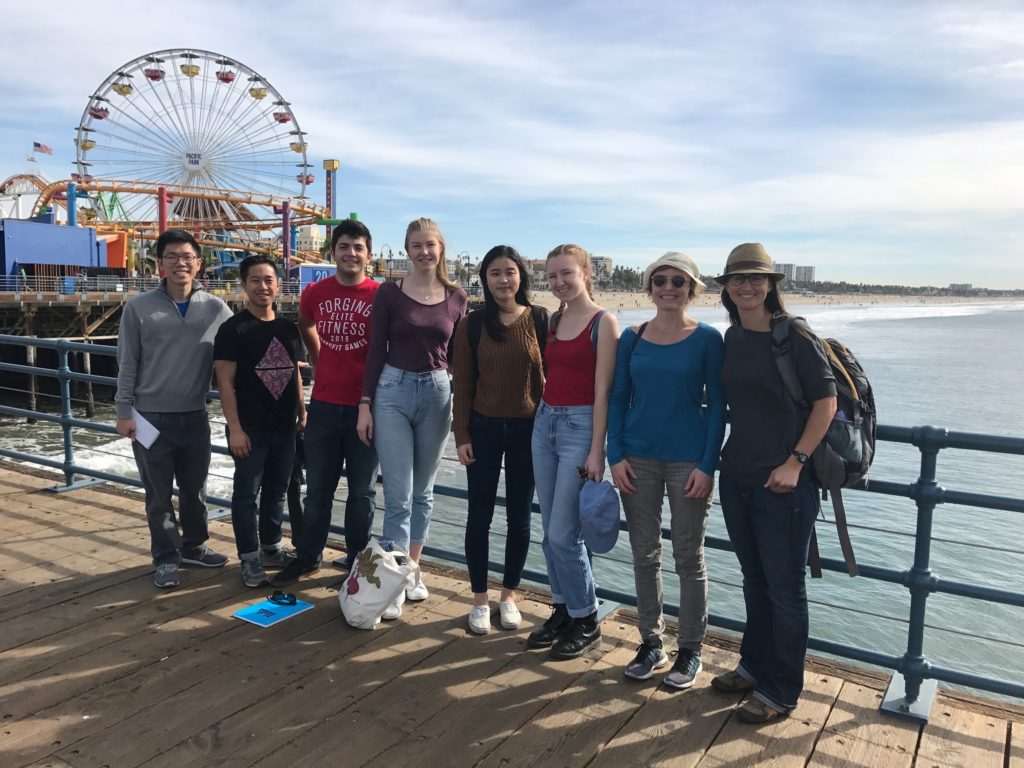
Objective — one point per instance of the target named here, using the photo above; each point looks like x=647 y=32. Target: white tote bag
x=378 y=576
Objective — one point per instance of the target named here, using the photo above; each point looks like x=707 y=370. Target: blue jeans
x=771 y=533
x=561 y=443
x=181 y=453
x=412 y=417
x=492 y=439
x=331 y=441
x=265 y=471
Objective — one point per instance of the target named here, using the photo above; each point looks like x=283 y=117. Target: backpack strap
x=595 y=325
x=783 y=360
x=843 y=531
x=632 y=349
x=540 y=326
x=474 y=325
x=636 y=338
x=813 y=556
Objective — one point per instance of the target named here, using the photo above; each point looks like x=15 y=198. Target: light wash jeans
x=561 y=442
x=689 y=519
x=412 y=418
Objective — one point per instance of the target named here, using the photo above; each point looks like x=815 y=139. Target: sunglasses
x=755 y=280
x=582 y=472
x=678 y=281
x=282 y=598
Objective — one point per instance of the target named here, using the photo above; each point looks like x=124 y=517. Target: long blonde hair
x=424 y=224
x=582 y=258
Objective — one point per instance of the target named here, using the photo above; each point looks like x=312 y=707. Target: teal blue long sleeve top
x=655 y=412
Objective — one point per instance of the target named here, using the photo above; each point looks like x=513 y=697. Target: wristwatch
x=800 y=456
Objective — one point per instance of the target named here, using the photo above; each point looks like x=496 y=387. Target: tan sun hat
x=749 y=259
x=679 y=261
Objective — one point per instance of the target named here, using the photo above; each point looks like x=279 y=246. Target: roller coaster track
x=302 y=212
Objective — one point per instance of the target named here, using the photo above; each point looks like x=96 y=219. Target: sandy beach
x=619 y=300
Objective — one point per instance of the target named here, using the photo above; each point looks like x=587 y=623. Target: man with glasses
x=165 y=364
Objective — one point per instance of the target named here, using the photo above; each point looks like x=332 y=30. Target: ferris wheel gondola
x=191 y=119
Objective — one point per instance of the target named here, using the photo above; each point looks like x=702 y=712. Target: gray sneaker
x=203 y=556
x=648 y=658
x=253 y=574
x=277 y=558
x=684 y=671
x=166 y=576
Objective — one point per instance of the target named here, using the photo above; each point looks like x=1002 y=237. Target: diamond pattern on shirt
x=275 y=369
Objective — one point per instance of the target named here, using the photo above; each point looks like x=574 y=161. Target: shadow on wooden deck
x=98 y=668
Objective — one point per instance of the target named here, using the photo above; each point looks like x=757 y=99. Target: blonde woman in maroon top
x=406 y=407
x=568 y=447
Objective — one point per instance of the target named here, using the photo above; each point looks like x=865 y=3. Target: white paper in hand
x=145 y=432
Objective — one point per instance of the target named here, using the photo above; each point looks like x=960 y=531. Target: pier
x=99 y=668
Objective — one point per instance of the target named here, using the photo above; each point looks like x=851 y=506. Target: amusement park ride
x=191 y=139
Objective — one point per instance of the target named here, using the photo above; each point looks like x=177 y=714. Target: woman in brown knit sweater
x=499 y=378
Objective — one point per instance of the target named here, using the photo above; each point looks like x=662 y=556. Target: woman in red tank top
x=568 y=447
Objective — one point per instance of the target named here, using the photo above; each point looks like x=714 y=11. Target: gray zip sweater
x=165 y=361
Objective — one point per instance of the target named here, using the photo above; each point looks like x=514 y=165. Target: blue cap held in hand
x=599 y=516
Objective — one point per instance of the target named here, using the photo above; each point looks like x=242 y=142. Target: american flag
x=41 y=148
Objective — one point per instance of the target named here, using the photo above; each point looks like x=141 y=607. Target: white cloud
x=876 y=124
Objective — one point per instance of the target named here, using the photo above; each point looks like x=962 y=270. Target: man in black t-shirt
x=256 y=356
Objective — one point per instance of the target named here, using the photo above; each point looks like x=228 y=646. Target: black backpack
x=845 y=455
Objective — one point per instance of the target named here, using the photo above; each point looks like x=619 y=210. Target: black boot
x=583 y=635
x=545 y=635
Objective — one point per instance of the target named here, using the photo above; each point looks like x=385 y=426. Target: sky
x=880 y=142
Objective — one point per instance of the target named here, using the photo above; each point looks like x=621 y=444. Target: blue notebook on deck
x=266 y=613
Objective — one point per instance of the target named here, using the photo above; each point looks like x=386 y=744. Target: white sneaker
x=417 y=593
x=480 y=619
x=511 y=618
x=394 y=610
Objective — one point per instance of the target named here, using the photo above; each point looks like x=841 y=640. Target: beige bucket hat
x=679 y=261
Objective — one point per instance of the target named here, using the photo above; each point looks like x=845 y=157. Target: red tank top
x=571 y=367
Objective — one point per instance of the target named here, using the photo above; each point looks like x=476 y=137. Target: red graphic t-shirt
x=342 y=317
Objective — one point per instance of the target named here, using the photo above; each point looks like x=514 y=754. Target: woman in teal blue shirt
x=660 y=440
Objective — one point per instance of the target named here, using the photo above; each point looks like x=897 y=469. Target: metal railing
x=113 y=286
x=911 y=691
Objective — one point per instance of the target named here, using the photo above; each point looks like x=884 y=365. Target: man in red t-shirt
x=334 y=319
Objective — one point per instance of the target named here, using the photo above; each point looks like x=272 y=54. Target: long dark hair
x=772 y=302
x=492 y=319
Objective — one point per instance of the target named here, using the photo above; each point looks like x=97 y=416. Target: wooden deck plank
x=485 y=711
x=197 y=647
x=591 y=710
x=335 y=669
x=31 y=658
x=97 y=667
x=954 y=737
x=674 y=728
x=786 y=742
x=856 y=715
x=834 y=750
x=1016 y=753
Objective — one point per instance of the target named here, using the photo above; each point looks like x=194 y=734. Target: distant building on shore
x=310 y=237
x=803 y=275
x=795 y=273
x=603 y=266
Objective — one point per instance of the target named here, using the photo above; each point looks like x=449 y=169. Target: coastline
x=624 y=300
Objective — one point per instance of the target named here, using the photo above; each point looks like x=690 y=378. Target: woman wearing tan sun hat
x=769 y=500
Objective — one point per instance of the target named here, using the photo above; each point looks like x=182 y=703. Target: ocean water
x=953 y=366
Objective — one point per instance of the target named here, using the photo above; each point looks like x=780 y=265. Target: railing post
x=64 y=380
x=914 y=702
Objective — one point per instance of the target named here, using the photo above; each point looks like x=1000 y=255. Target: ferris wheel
x=190 y=119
